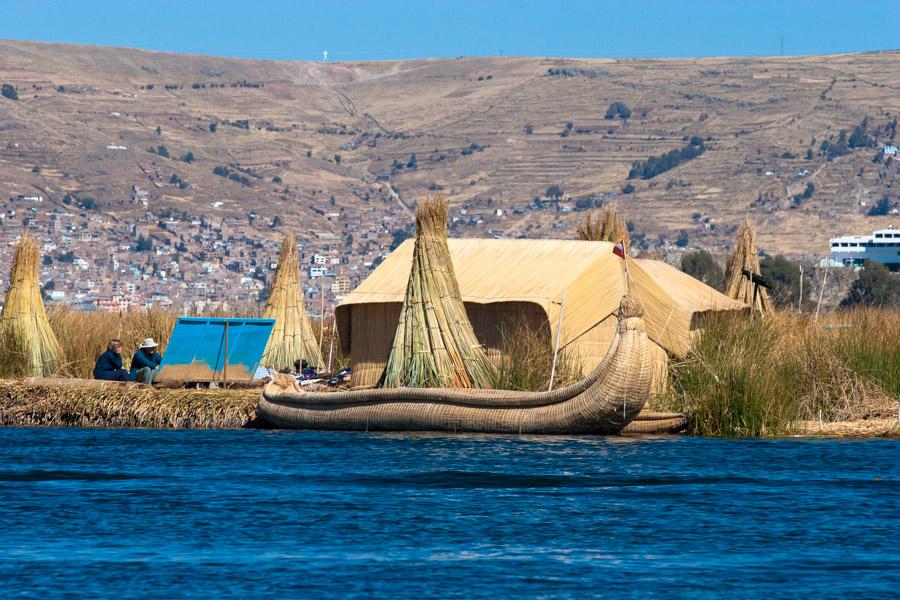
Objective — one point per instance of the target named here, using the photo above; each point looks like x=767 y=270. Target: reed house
x=514 y=283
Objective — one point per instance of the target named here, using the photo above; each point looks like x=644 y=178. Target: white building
x=882 y=246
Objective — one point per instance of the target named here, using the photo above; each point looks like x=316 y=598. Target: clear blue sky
x=385 y=29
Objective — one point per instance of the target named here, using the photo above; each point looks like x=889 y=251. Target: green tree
x=784 y=277
x=144 y=244
x=188 y=157
x=617 y=109
x=8 y=91
x=701 y=265
x=875 y=286
x=213 y=127
x=880 y=208
x=554 y=192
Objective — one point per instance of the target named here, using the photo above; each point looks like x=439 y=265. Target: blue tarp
x=196 y=350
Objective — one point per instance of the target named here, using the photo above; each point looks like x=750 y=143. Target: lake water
x=134 y=513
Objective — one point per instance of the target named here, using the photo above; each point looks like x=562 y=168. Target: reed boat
x=604 y=402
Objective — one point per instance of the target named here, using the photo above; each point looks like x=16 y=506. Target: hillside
x=328 y=148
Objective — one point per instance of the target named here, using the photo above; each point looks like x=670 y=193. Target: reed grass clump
x=83 y=336
x=754 y=377
x=526 y=358
x=435 y=345
x=28 y=346
x=292 y=337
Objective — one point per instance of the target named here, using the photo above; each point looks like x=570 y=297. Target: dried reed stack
x=77 y=403
x=292 y=338
x=610 y=228
x=25 y=333
x=434 y=345
x=745 y=256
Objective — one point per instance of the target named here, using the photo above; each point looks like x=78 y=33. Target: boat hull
x=602 y=403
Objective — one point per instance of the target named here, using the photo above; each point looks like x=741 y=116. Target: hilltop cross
x=325 y=56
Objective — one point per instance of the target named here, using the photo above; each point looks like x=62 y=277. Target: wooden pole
x=331 y=343
x=559 y=324
x=321 y=318
x=225 y=359
x=800 y=299
x=821 y=293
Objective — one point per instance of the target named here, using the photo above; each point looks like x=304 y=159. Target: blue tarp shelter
x=215 y=349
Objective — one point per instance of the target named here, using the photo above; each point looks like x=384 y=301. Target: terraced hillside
x=349 y=147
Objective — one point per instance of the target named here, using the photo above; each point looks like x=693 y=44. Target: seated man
x=145 y=362
x=109 y=365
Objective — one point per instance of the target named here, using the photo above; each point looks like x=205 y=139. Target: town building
x=853 y=250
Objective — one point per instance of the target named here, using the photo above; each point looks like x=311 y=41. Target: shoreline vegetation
x=780 y=375
x=785 y=373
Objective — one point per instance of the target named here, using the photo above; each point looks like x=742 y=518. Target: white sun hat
x=149 y=343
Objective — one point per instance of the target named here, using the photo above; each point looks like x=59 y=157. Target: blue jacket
x=141 y=359
x=109 y=368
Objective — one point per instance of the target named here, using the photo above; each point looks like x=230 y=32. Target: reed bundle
x=79 y=404
x=435 y=345
x=745 y=256
x=292 y=338
x=608 y=228
x=27 y=342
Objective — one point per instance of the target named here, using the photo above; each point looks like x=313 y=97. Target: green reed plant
x=752 y=376
x=526 y=358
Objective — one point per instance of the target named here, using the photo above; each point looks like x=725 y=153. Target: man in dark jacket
x=109 y=365
x=145 y=362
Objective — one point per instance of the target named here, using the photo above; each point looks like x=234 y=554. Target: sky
x=399 y=29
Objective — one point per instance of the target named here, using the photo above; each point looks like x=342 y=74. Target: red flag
x=619 y=250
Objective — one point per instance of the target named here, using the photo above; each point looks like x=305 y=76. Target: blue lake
x=135 y=513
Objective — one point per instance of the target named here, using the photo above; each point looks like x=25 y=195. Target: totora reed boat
x=604 y=402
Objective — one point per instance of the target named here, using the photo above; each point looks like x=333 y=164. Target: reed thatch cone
x=608 y=228
x=435 y=345
x=24 y=329
x=745 y=256
x=292 y=338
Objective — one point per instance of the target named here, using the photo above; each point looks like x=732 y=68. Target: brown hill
x=492 y=133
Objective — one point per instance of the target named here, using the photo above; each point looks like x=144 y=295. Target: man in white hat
x=145 y=362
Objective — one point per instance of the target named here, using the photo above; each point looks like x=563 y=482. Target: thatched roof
x=25 y=332
x=292 y=338
x=434 y=345
x=537 y=271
